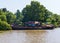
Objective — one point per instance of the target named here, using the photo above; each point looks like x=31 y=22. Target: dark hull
x=32 y=28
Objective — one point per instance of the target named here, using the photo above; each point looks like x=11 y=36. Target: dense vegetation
x=33 y=12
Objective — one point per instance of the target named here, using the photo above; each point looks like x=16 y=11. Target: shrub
x=4 y=25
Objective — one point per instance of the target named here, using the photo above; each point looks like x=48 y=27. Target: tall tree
x=35 y=12
x=19 y=17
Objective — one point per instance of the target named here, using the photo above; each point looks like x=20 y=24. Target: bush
x=4 y=25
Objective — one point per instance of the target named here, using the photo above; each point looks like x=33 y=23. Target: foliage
x=19 y=18
x=37 y=12
x=3 y=17
x=4 y=25
x=10 y=17
x=6 y=18
x=33 y=12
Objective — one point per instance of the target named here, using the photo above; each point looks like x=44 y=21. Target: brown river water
x=30 y=36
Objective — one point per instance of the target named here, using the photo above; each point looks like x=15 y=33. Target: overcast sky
x=13 y=5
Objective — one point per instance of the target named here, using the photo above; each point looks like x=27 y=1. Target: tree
x=19 y=17
x=4 y=10
x=35 y=12
x=54 y=19
x=10 y=17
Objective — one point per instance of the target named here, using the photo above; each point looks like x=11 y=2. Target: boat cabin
x=32 y=23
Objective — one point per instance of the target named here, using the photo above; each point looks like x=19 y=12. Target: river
x=30 y=36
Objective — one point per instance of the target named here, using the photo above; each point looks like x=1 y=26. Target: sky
x=13 y=5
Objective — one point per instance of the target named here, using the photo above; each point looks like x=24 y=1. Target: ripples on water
x=30 y=36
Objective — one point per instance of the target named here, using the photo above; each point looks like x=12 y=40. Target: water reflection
x=36 y=36
x=30 y=36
